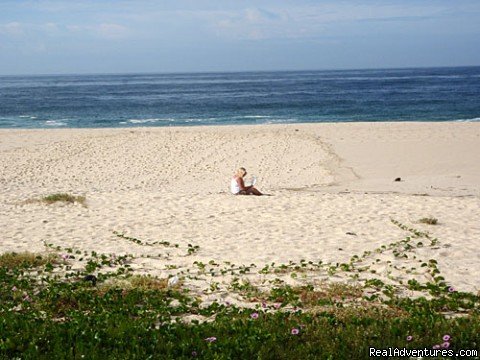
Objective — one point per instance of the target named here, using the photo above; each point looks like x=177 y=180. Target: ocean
x=188 y=99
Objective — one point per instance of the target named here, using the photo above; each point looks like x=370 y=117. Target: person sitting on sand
x=238 y=187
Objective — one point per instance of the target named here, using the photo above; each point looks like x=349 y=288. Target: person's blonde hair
x=241 y=172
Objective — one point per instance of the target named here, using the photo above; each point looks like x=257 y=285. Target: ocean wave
x=144 y=121
x=468 y=120
x=384 y=78
x=281 y=121
x=54 y=123
x=255 y=117
x=191 y=120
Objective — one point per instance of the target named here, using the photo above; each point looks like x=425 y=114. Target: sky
x=138 y=36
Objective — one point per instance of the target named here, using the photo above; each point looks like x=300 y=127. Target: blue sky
x=105 y=36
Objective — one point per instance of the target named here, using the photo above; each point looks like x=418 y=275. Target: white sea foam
x=54 y=123
x=281 y=121
x=255 y=117
x=143 y=121
x=192 y=120
x=468 y=120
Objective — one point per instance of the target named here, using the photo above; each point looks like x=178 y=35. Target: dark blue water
x=428 y=94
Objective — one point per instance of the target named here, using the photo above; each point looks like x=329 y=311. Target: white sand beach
x=171 y=184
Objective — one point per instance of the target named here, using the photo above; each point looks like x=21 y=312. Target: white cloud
x=257 y=15
x=111 y=31
x=59 y=6
x=28 y=30
x=311 y=21
x=51 y=29
x=74 y=28
x=12 y=29
x=144 y=19
x=251 y=23
x=105 y=30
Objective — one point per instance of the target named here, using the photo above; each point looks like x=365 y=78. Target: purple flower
x=446 y=345
x=194 y=353
x=14 y=288
x=65 y=256
x=227 y=303
x=295 y=331
x=26 y=298
x=451 y=289
x=211 y=339
x=277 y=305
x=409 y=338
x=446 y=337
x=264 y=304
x=254 y=315
x=436 y=347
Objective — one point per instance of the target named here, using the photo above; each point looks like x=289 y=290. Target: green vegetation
x=57 y=197
x=428 y=220
x=100 y=309
x=62 y=197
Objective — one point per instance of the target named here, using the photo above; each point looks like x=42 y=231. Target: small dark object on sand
x=91 y=278
x=398 y=179
x=351 y=233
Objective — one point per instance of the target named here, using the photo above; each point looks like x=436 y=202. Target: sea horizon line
x=237 y=71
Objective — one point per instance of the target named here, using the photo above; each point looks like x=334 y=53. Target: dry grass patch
x=147 y=282
x=331 y=292
x=141 y=282
x=13 y=260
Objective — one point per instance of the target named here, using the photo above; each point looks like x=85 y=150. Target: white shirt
x=234 y=188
